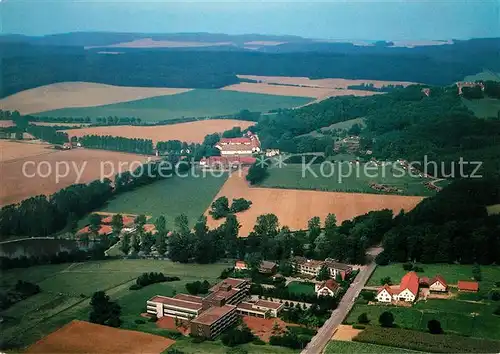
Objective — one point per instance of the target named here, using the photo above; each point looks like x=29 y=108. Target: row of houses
x=211 y=315
x=411 y=283
x=128 y=226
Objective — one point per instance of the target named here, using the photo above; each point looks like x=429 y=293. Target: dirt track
x=78 y=94
x=16 y=186
x=85 y=337
x=295 y=207
x=192 y=132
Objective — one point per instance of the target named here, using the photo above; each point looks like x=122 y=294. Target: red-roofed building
x=408 y=289
x=464 y=285
x=104 y=230
x=239 y=146
x=327 y=288
x=213 y=321
x=150 y=228
x=240 y=265
x=127 y=220
x=224 y=162
x=385 y=294
x=438 y=284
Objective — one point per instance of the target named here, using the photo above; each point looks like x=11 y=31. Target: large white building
x=246 y=145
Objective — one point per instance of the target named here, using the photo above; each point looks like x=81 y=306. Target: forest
x=35 y=65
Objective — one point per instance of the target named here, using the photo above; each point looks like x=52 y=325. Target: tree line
x=115 y=143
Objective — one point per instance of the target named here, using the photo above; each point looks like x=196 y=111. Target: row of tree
x=115 y=143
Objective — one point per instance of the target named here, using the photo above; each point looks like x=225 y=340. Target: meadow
x=169 y=197
x=484 y=107
x=296 y=176
x=66 y=289
x=336 y=346
x=301 y=287
x=195 y=103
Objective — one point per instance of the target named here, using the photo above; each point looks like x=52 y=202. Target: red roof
x=240 y=264
x=385 y=287
x=224 y=141
x=440 y=279
x=192 y=305
x=150 y=228
x=424 y=281
x=104 y=230
x=268 y=304
x=213 y=314
x=127 y=220
x=468 y=285
x=410 y=282
x=330 y=284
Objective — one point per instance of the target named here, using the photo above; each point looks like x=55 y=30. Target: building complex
x=312 y=267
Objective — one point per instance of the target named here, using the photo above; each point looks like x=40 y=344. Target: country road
x=321 y=339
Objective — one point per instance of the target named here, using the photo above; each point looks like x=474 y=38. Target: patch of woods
x=146 y=279
x=220 y=207
x=32 y=65
x=104 y=311
x=198 y=287
x=20 y=291
x=491 y=89
x=293 y=337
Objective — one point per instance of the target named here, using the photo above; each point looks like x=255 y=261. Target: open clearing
x=191 y=132
x=195 y=103
x=85 y=337
x=78 y=94
x=298 y=287
x=324 y=83
x=16 y=185
x=11 y=150
x=263 y=327
x=291 y=177
x=295 y=207
x=170 y=197
x=281 y=90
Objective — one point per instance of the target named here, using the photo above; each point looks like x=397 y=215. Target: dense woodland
x=26 y=66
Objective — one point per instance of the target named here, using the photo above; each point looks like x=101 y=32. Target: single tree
x=161 y=224
x=386 y=319
x=95 y=224
x=386 y=280
x=363 y=318
x=434 y=327
x=476 y=272
x=117 y=224
x=323 y=274
x=125 y=244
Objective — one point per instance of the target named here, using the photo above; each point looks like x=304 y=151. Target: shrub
x=172 y=334
x=495 y=295
x=368 y=295
x=386 y=319
x=258 y=341
x=358 y=326
x=363 y=318
x=198 y=340
x=386 y=280
x=418 y=269
x=153 y=319
x=382 y=258
x=198 y=287
x=497 y=311
x=139 y=321
x=434 y=327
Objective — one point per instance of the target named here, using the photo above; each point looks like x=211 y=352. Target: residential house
x=438 y=284
x=240 y=265
x=408 y=290
x=312 y=267
x=327 y=288
x=385 y=294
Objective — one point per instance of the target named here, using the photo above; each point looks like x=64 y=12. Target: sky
x=326 y=19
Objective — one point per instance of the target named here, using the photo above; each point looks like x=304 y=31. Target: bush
x=146 y=279
x=358 y=326
x=258 y=341
x=386 y=280
x=198 y=287
x=256 y=173
x=240 y=204
x=497 y=311
x=235 y=336
x=368 y=295
x=434 y=327
x=172 y=334
x=198 y=340
x=153 y=319
x=418 y=269
x=382 y=258
x=139 y=321
x=495 y=295
x=386 y=319
x=363 y=318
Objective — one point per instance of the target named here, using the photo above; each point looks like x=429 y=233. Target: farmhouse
x=470 y=286
x=246 y=145
x=438 y=284
x=127 y=220
x=225 y=162
x=312 y=267
x=461 y=85
x=408 y=290
x=265 y=267
x=240 y=265
x=327 y=288
x=385 y=294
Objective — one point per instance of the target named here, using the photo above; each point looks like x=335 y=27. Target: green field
x=336 y=346
x=170 y=197
x=493 y=209
x=195 y=103
x=291 y=176
x=452 y=273
x=186 y=345
x=60 y=300
x=301 y=287
x=484 y=107
x=486 y=75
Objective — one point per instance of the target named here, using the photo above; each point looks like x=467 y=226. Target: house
x=225 y=162
x=127 y=220
x=470 y=286
x=327 y=288
x=272 y=152
x=246 y=145
x=385 y=294
x=240 y=265
x=461 y=85
x=267 y=267
x=66 y=146
x=103 y=230
x=312 y=267
x=438 y=284
x=426 y=91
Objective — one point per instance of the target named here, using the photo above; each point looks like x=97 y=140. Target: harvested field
x=11 y=150
x=78 y=94
x=281 y=90
x=151 y=43
x=6 y=123
x=324 y=83
x=50 y=124
x=346 y=333
x=85 y=337
x=295 y=207
x=16 y=186
x=191 y=132
x=263 y=327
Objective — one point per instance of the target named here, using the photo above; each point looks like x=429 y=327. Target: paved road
x=320 y=340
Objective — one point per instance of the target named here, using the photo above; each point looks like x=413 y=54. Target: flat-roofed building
x=312 y=267
x=214 y=321
x=181 y=306
x=261 y=308
x=230 y=291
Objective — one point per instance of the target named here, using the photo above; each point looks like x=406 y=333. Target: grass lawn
x=195 y=103
x=169 y=197
x=291 y=176
x=60 y=301
x=452 y=273
x=483 y=108
x=493 y=209
x=301 y=287
x=185 y=345
x=336 y=346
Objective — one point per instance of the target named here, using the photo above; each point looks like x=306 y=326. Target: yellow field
x=191 y=132
x=12 y=150
x=78 y=94
x=493 y=209
x=280 y=90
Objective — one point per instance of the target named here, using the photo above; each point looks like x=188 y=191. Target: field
x=493 y=209
x=484 y=75
x=324 y=83
x=62 y=285
x=301 y=287
x=484 y=107
x=336 y=346
x=192 y=132
x=282 y=90
x=195 y=103
x=295 y=207
x=78 y=94
x=48 y=124
x=85 y=337
x=170 y=197
x=17 y=186
x=292 y=176
x=15 y=150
